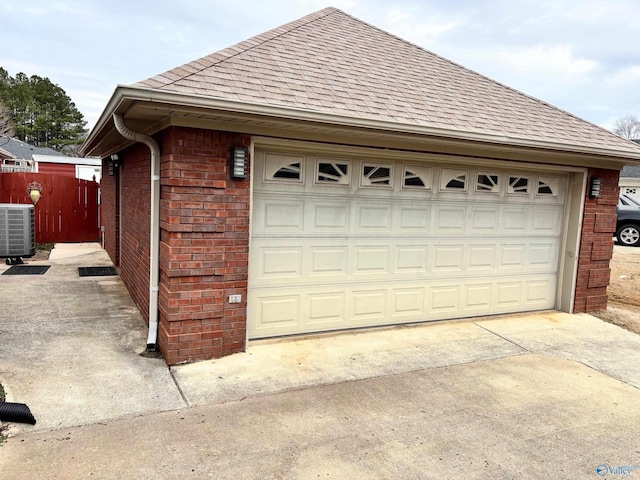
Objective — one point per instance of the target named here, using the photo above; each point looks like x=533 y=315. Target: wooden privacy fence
x=68 y=209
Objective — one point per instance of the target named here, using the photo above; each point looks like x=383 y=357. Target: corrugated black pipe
x=16 y=412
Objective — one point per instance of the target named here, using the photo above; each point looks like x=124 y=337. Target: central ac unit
x=17 y=231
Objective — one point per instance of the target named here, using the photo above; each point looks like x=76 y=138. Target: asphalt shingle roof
x=22 y=150
x=630 y=171
x=330 y=62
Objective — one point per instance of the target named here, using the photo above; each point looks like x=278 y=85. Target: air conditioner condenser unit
x=17 y=231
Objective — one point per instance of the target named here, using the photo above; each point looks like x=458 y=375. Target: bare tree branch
x=6 y=125
x=627 y=127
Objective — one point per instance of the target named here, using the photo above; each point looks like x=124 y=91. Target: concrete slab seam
x=182 y=395
x=590 y=367
x=504 y=338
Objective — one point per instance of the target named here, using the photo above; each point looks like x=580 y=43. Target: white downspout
x=154 y=247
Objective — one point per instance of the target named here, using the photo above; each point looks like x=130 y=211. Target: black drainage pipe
x=16 y=412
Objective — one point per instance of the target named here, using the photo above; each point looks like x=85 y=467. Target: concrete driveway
x=546 y=395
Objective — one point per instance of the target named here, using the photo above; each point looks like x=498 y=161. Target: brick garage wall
x=596 y=245
x=204 y=246
x=109 y=220
x=135 y=220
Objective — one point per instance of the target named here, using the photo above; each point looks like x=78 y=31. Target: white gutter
x=154 y=247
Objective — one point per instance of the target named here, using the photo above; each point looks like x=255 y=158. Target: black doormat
x=26 y=270
x=97 y=271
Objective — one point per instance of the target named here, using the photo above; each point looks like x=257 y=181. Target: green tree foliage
x=42 y=113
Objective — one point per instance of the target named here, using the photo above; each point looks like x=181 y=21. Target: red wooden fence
x=68 y=210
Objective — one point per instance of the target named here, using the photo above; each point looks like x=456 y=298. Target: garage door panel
x=398 y=247
x=450 y=219
x=515 y=220
x=448 y=258
x=414 y=219
x=333 y=217
x=328 y=261
x=368 y=306
x=277 y=262
x=512 y=256
x=543 y=256
x=482 y=257
x=538 y=292
x=478 y=297
x=410 y=259
x=279 y=216
x=327 y=310
x=444 y=299
x=484 y=220
x=408 y=301
x=546 y=221
x=373 y=218
x=279 y=312
x=509 y=294
x=371 y=260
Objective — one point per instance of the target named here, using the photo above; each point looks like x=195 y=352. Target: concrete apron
x=69 y=345
x=527 y=417
x=286 y=364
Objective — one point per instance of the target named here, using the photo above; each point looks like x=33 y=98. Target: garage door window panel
x=488 y=183
x=453 y=180
x=376 y=176
x=284 y=168
x=518 y=185
x=414 y=177
x=333 y=172
x=547 y=187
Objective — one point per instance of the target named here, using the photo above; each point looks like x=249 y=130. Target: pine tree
x=42 y=113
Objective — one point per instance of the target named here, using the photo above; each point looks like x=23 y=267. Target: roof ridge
x=253 y=42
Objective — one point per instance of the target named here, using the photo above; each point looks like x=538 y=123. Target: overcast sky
x=580 y=55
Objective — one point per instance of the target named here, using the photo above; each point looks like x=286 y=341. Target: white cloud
x=542 y=59
x=628 y=76
x=410 y=25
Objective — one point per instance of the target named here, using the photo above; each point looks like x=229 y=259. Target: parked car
x=628 y=226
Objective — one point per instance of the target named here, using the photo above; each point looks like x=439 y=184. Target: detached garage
x=327 y=175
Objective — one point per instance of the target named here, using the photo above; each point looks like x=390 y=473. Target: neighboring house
x=385 y=185
x=18 y=156
x=21 y=150
x=78 y=167
x=630 y=180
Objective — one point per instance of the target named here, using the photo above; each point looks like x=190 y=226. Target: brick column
x=204 y=245
x=596 y=245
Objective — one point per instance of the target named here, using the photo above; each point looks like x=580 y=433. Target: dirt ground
x=624 y=290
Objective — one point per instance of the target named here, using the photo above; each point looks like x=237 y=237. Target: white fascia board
x=123 y=93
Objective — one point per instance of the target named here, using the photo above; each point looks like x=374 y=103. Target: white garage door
x=345 y=242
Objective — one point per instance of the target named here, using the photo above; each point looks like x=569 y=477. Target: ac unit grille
x=17 y=230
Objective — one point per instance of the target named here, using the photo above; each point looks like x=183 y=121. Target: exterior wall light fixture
x=239 y=162
x=34 y=189
x=595 y=187
x=114 y=162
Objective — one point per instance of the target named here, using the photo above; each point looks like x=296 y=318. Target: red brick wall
x=109 y=212
x=204 y=246
x=596 y=245
x=135 y=219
